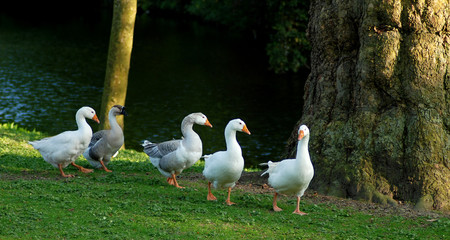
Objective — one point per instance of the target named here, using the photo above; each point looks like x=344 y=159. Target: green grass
x=135 y=202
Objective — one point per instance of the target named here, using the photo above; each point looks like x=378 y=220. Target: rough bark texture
x=377 y=100
x=119 y=55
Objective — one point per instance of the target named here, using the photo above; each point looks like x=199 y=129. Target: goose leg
x=210 y=196
x=297 y=210
x=228 y=202
x=62 y=172
x=104 y=166
x=274 y=204
x=175 y=181
x=170 y=181
x=82 y=169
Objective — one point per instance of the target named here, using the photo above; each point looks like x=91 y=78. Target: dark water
x=48 y=71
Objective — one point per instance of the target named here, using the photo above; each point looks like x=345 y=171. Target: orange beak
x=95 y=118
x=301 y=134
x=245 y=129
x=207 y=123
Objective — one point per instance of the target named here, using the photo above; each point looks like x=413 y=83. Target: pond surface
x=49 y=70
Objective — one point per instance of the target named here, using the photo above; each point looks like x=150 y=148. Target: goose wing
x=97 y=136
x=159 y=150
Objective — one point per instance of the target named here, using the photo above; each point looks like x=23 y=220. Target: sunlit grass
x=135 y=202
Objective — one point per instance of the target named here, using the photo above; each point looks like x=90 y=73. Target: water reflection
x=44 y=76
x=47 y=73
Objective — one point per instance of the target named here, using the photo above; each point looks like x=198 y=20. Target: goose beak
x=301 y=134
x=123 y=112
x=95 y=118
x=207 y=123
x=245 y=129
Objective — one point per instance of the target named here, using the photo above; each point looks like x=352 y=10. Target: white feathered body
x=190 y=152
x=292 y=176
x=65 y=147
x=224 y=168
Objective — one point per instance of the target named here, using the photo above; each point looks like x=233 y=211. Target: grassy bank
x=135 y=202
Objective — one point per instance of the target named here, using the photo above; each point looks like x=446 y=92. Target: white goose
x=172 y=157
x=224 y=168
x=292 y=176
x=64 y=148
x=106 y=143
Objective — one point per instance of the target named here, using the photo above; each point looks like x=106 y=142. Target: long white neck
x=186 y=127
x=230 y=139
x=191 y=139
x=83 y=126
x=303 y=152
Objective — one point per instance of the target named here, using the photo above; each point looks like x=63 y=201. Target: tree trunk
x=377 y=100
x=119 y=54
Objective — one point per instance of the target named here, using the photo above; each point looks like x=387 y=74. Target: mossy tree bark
x=377 y=100
x=119 y=55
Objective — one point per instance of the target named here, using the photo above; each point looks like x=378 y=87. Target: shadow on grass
x=15 y=166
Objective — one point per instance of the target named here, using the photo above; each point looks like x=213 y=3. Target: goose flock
x=222 y=169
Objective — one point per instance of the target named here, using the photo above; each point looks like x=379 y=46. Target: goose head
x=119 y=110
x=200 y=119
x=238 y=125
x=303 y=131
x=88 y=112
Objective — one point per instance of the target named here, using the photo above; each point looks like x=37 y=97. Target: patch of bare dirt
x=253 y=182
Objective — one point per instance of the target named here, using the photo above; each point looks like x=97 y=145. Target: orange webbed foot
x=68 y=175
x=211 y=197
x=104 y=166
x=277 y=209
x=176 y=184
x=299 y=212
x=229 y=203
x=173 y=181
x=62 y=172
x=170 y=181
x=85 y=170
x=82 y=169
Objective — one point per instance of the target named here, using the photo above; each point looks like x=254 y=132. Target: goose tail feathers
x=206 y=156
x=271 y=166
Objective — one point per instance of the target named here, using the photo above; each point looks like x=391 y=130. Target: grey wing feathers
x=158 y=150
x=97 y=136
x=97 y=149
x=169 y=146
